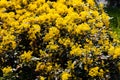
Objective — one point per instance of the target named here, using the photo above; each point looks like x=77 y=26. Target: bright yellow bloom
x=7 y=70
x=26 y=56
x=24 y=2
x=70 y=65
x=91 y=2
x=86 y=8
x=52 y=47
x=32 y=7
x=40 y=66
x=42 y=78
x=114 y=51
x=101 y=6
x=36 y=28
x=82 y=27
x=117 y=52
x=60 y=8
x=40 y=2
x=3 y=3
x=61 y=1
x=33 y=30
x=105 y=19
x=76 y=50
x=101 y=73
x=49 y=68
x=74 y=2
x=60 y=21
x=92 y=21
x=65 y=75
x=69 y=28
x=94 y=71
x=53 y=31
x=84 y=15
x=44 y=8
x=99 y=24
x=65 y=41
x=95 y=13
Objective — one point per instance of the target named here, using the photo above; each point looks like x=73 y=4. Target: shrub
x=61 y=40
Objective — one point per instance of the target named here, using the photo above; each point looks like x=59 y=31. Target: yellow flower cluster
x=63 y=39
x=82 y=27
x=114 y=51
x=65 y=76
x=53 y=32
x=26 y=56
x=7 y=70
x=75 y=50
x=96 y=72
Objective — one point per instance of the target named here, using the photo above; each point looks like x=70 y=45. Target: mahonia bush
x=56 y=40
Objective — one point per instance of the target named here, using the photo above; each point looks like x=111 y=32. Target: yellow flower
x=105 y=19
x=99 y=24
x=25 y=26
x=42 y=78
x=70 y=65
x=91 y=21
x=60 y=21
x=101 y=6
x=76 y=50
x=89 y=61
x=21 y=11
x=33 y=30
x=13 y=44
x=65 y=75
x=111 y=50
x=24 y=2
x=116 y=52
x=53 y=31
x=49 y=68
x=40 y=66
x=86 y=68
x=42 y=53
x=26 y=56
x=60 y=8
x=96 y=71
x=3 y=3
x=82 y=27
x=93 y=71
x=44 y=8
x=74 y=2
x=95 y=13
x=84 y=15
x=7 y=70
x=69 y=28
x=86 y=8
x=65 y=41
x=91 y=2
x=61 y=1
x=101 y=73
x=52 y=47
x=32 y=7
x=40 y=2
